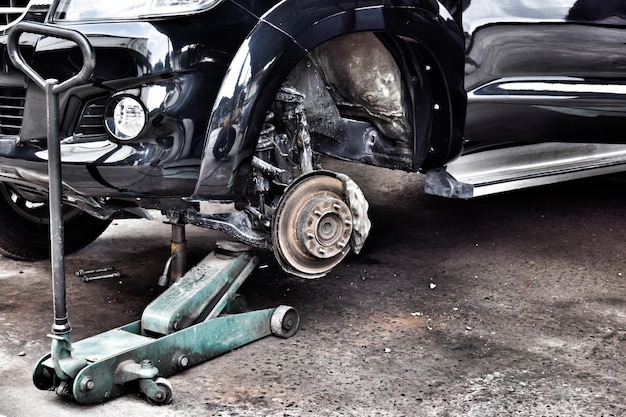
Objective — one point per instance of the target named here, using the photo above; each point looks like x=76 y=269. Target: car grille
x=11 y=110
x=12 y=100
x=12 y=10
x=91 y=121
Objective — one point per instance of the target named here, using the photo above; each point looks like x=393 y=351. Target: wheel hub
x=327 y=225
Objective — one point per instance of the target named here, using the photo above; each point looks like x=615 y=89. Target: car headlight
x=80 y=10
x=125 y=118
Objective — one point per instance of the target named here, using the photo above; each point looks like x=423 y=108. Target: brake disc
x=315 y=224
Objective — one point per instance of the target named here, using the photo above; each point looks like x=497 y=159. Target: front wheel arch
x=268 y=55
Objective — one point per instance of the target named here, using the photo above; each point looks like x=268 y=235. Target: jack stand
x=177 y=262
x=178 y=248
x=183 y=327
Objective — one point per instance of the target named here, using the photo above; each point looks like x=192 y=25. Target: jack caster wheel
x=284 y=322
x=43 y=377
x=158 y=391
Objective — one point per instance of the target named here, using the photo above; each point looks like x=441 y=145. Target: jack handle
x=53 y=88
x=89 y=55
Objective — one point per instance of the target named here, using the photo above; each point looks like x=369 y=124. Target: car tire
x=25 y=227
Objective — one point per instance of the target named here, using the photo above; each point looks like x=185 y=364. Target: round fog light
x=125 y=118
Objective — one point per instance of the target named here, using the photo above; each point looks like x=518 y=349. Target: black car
x=235 y=101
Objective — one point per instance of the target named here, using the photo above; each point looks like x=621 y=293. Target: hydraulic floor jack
x=189 y=323
x=194 y=320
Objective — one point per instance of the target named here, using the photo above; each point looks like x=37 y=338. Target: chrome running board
x=514 y=168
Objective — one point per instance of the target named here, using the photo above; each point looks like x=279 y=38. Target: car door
x=540 y=71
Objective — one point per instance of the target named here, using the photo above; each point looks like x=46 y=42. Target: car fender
x=281 y=38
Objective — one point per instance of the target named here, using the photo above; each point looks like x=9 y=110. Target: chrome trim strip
x=535 y=88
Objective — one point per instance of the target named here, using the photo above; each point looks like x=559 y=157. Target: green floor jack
x=191 y=322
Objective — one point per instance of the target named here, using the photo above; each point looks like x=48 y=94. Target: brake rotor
x=313 y=225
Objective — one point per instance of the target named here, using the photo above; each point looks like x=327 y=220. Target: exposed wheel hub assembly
x=314 y=224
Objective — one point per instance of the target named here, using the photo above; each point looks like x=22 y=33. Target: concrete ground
x=507 y=305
